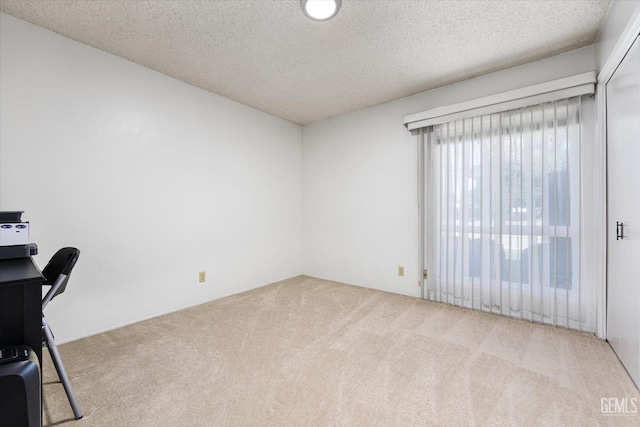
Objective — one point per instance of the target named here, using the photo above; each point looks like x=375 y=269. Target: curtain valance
x=567 y=87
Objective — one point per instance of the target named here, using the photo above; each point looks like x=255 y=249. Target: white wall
x=153 y=179
x=359 y=179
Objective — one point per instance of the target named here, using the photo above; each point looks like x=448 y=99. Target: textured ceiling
x=268 y=55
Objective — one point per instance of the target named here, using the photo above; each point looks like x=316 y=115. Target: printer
x=14 y=236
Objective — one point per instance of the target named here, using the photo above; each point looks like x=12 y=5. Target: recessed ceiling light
x=320 y=10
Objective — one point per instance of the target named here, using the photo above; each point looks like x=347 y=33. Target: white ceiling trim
x=629 y=35
x=581 y=84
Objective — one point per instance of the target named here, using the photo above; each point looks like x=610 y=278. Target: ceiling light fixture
x=320 y=10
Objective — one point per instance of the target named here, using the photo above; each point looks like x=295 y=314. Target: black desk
x=21 y=304
x=21 y=309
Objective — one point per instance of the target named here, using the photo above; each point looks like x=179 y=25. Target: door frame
x=624 y=43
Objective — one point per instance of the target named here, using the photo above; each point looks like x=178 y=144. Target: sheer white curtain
x=503 y=223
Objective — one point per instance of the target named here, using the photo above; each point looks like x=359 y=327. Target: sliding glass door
x=503 y=213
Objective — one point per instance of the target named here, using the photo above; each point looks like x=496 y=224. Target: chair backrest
x=61 y=263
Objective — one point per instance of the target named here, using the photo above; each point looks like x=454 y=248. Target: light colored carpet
x=309 y=352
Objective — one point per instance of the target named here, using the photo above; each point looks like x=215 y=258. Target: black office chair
x=56 y=274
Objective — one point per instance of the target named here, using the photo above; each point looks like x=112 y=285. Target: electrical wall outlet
x=400 y=270
x=202 y=277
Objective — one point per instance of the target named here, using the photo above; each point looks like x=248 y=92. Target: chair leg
x=62 y=374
